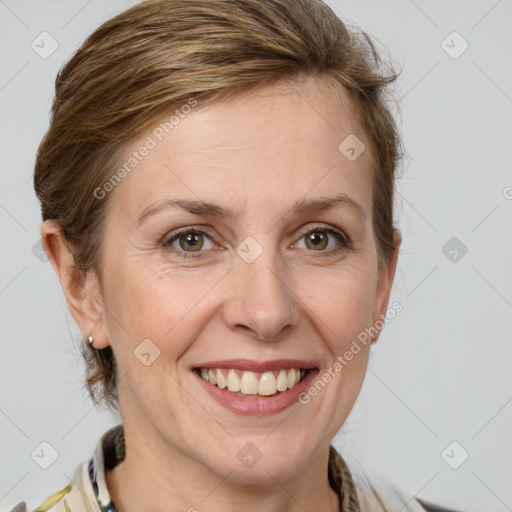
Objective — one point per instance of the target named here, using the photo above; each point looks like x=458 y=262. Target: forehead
x=281 y=143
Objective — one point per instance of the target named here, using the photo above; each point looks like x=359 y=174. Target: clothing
x=88 y=491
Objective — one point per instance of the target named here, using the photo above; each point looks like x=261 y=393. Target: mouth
x=253 y=384
x=256 y=388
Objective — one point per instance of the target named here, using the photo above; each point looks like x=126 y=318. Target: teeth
x=252 y=383
x=268 y=384
x=282 y=381
x=233 y=381
x=221 y=380
x=249 y=383
x=291 y=378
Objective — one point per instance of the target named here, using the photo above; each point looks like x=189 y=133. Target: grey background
x=441 y=370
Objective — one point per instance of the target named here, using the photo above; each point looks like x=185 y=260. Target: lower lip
x=261 y=406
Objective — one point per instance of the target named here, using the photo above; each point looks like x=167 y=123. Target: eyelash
x=345 y=242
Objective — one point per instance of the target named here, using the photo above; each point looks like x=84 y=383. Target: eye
x=186 y=242
x=317 y=238
x=190 y=242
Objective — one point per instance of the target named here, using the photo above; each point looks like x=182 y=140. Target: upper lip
x=259 y=366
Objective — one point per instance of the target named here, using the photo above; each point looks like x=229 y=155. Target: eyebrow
x=209 y=209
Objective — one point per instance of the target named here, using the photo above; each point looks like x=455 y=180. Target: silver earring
x=90 y=340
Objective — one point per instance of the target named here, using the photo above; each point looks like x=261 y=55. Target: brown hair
x=148 y=60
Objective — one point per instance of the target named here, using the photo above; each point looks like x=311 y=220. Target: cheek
x=150 y=330
x=152 y=303
x=343 y=305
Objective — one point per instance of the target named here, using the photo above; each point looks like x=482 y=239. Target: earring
x=90 y=340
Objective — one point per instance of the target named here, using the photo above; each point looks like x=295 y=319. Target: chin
x=255 y=460
x=263 y=472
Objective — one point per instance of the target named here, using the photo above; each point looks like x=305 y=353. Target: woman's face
x=207 y=265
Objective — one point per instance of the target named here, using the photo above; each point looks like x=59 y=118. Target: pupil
x=316 y=238
x=192 y=240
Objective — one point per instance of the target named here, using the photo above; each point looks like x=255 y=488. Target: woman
x=217 y=199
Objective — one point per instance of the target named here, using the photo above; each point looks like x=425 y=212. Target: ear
x=386 y=276
x=82 y=292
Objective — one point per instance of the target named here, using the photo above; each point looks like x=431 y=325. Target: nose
x=260 y=300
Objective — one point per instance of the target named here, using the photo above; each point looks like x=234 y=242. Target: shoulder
x=68 y=499
x=87 y=488
x=377 y=493
x=366 y=491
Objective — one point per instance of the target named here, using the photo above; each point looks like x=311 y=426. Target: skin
x=256 y=154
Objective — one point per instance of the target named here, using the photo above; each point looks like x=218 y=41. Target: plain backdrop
x=435 y=413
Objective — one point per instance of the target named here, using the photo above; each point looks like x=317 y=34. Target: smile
x=249 y=383
x=255 y=388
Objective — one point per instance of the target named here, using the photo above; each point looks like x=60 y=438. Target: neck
x=145 y=481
